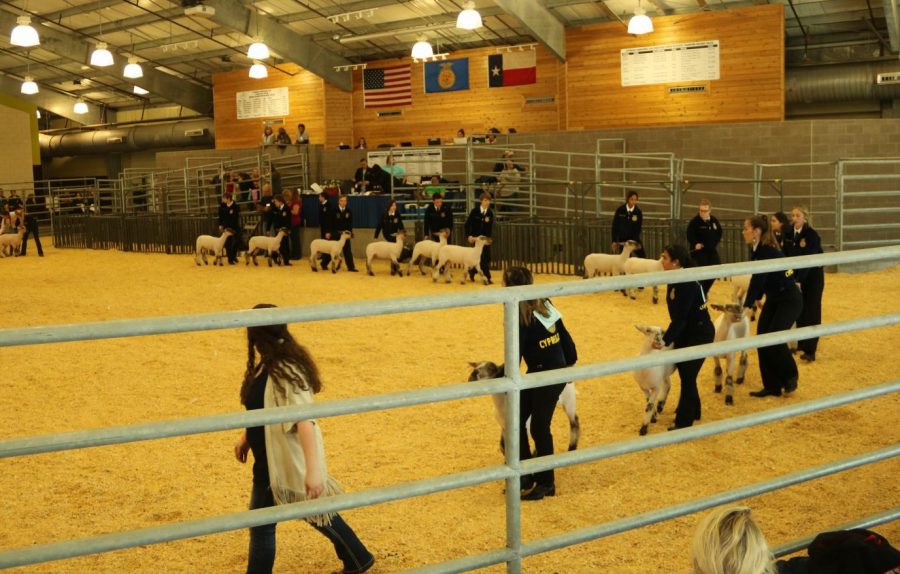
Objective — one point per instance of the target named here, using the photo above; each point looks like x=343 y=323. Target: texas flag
x=512 y=69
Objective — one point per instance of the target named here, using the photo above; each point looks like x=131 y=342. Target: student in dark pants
x=230 y=218
x=783 y=304
x=544 y=344
x=627 y=223
x=811 y=281
x=324 y=225
x=690 y=325
x=703 y=234
x=480 y=223
x=342 y=220
x=281 y=220
x=32 y=210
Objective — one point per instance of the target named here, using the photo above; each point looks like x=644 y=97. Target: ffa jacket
x=625 y=226
x=230 y=216
x=769 y=284
x=437 y=219
x=806 y=242
x=480 y=223
x=340 y=221
x=390 y=224
x=281 y=216
x=687 y=311
x=709 y=233
x=324 y=218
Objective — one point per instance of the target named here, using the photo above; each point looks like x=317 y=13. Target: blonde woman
x=805 y=241
x=728 y=541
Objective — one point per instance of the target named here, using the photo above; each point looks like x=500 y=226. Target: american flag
x=383 y=87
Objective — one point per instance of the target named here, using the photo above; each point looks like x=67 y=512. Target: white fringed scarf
x=287 y=463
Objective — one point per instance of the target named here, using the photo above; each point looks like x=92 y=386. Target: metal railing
x=511 y=385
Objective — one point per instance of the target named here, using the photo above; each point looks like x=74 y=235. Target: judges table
x=366 y=209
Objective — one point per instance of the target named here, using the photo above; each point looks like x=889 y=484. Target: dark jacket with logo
x=773 y=284
x=437 y=219
x=390 y=224
x=709 y=233
x=480 y=224
x=624 y=226
x=806 y=242
x=340 y=221
x=688 y=313
x=230 y=216
x=546 y=349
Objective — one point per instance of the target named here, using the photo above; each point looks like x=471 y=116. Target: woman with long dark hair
x=690 y=325
x=545 y=344
x=783 y=304
x=289 y=458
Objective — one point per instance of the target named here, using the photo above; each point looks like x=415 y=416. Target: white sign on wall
x=692 y=62
x=262 y=103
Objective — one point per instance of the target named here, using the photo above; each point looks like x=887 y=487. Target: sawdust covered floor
x=72 y=386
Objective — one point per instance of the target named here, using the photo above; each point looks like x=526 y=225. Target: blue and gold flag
x=447 y=75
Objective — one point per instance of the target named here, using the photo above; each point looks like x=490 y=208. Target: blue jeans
x=349 y=549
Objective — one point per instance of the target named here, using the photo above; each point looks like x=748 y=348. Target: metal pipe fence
x=511 y=385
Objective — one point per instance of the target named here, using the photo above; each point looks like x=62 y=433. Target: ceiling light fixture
x=80 y=107
x=28 y=86
x=133 y=69
x=24 y=33
x=258 y=71
x=258 y=51
x=140 y=91
x=640 y=23
x=469 y=19
x=101 y=57
x=37 y=113
x=422 y=49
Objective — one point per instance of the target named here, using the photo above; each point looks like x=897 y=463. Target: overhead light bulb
x=258 y=51
x=133 y=69
x=258 y=71
x=24 y=33
x=640 y=23
x=101 y=57
x=80 y=107
x=422 y=49
x=140 y=91
x=28 y=86
x=469 y=19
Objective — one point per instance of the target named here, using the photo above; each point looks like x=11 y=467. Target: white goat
x=214 y=245
x=427 y=249
x=260 y=244
x=607 y=264
x=731 y=324
x=386 y=250
x=468 y=257
x=489 y=370
x=12 y=241
x=740 y=286
x=654 y=381
x=634 y=265
x=329 y=247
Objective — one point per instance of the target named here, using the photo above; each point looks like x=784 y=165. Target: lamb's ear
x=717 y=307
x=473 y=365
x=642 y=328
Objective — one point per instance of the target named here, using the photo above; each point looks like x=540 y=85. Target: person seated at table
x=361 y=144
x=362 y=176
x=380 y=180
x=397 y=172
x=435 y=188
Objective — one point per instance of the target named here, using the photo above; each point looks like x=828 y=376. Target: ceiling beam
x=540 y=22
x=284 y=41
x=159 y=83
x=892 y=20
x=59 y=104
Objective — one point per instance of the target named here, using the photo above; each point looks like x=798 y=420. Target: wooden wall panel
x=475 y=109
x=306 y=105
x=750 y=88
x=338 y=116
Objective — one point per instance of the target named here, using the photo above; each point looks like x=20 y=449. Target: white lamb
x=607 y=264
x=427 y=249
x=635 y=265
x=731 y=324
x=386 y=250
x=12 y=242
x=489 y=370
x=260 y=244
x=329 y=247
x=214 y=245
x=654 y=381
x=468 y=257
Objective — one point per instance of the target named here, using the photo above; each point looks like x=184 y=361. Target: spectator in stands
x=282 y=138
x=435 y=188
x=627 y=223
x=289 y=459
x=437 y=217
x=249 y=193
x=362 y=176
x=295 y=206
x=230 y=218
x=14 y=200
x=361 y=143
x=275 y=177
x=3 y=201
x=728 y=541
x=342 y=220
x=268 y=136
x=460 y=133
x=513 y=131
x=703 y=235
x=33 y=209
x=302 y=136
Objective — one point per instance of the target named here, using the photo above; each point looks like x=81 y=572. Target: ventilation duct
x=840 y=83
x=129 y=139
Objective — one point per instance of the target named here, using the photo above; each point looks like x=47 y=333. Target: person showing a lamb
x=690 y=325
x=385 y=250
x=230 y=218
